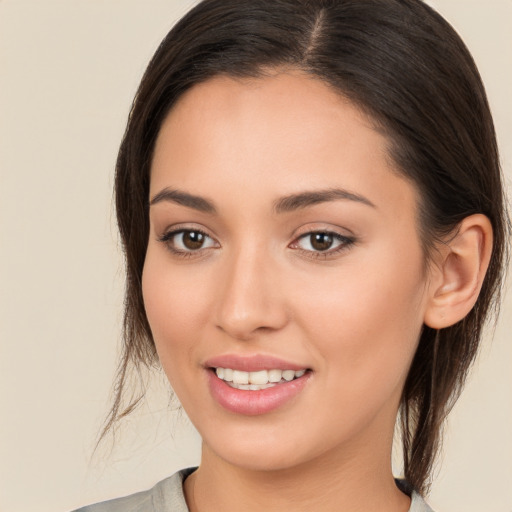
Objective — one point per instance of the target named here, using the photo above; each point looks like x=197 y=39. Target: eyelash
x=167 y=238
x=345 y=242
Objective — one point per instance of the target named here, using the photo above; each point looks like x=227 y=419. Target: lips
x=252 y=363
x=254 y=385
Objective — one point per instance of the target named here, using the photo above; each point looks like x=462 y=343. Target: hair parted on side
x=405 y=66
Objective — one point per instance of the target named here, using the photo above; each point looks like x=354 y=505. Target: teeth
x=255 y=381
x=240 y=377
x=258 y=377
x=288 y=375
x=250 y=387
x=275 y=375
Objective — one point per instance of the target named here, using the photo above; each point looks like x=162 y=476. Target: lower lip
x=253 y=403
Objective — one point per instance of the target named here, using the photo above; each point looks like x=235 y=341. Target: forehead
x=278 y=135
x=298 y=103
x=286 y=88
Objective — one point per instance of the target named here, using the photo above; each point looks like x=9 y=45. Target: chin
x=265 y=450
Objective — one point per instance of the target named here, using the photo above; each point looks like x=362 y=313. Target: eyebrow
x=309 y=198
x=185 y=199
x=285 y=204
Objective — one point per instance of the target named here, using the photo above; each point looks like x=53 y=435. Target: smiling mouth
x=255 y=381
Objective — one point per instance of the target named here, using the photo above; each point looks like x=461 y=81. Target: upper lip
x=251 y=363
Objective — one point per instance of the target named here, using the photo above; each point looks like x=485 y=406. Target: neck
x=344 y=481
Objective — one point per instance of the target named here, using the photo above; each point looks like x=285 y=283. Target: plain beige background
x=68 y=72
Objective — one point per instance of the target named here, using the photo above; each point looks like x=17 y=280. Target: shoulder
x=418 y=504
x=166 y=496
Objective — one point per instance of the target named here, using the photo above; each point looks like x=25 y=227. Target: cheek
x=175 y=308
x=366 y=322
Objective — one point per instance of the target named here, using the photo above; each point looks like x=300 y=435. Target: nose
x=250 y=301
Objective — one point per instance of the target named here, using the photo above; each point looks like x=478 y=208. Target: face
x=283 y=249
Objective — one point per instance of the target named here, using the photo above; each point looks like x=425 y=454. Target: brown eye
x=187 y=241
x=321 y=241
x=193 y=240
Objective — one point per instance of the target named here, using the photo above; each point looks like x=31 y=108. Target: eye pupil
x=193 y=239
x=321 y=241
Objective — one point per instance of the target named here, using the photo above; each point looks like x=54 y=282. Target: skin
x=257 y=286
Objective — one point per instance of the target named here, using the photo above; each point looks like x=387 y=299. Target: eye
x=187 y=240
x=322 y=242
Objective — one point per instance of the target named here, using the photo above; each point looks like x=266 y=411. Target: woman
x=310 y=203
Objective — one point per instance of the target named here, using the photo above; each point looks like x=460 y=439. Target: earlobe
x=460 y=272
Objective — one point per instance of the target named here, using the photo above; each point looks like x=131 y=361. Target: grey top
x=167 y=496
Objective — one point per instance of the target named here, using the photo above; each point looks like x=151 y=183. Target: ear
x=459 y=272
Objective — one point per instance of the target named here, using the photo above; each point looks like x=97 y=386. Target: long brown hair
x=405 y=66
